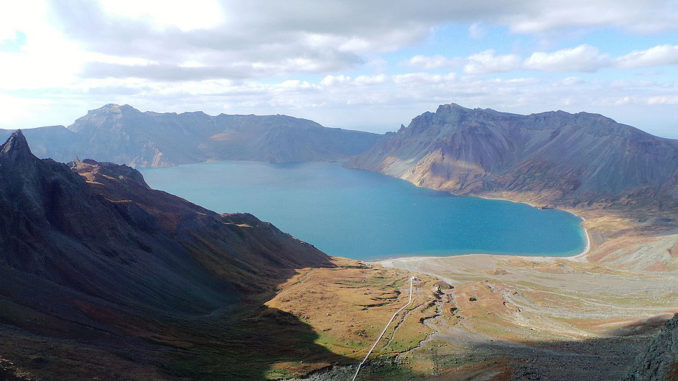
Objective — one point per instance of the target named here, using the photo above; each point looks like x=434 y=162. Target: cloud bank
x=345 y=63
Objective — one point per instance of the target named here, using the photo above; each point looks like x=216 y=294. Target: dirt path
x=384 y=331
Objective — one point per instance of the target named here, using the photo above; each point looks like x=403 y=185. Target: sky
x=367 y=65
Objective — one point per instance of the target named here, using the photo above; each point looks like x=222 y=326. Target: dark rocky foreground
x=659 y=362
x=101 y=276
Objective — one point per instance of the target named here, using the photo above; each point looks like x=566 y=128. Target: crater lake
x=364 y=215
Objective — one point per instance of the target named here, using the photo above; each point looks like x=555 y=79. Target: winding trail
x=384 y=331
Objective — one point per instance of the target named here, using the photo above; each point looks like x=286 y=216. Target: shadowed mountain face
x=125 y=135
x=562 y=157
x=106 y=233
x=89 y=252
x=660 y=360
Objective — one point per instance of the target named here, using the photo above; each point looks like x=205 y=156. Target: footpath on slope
x=384 y=331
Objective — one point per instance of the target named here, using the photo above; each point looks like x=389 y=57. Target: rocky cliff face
x=125 y=135
x=660 y=361
x=563 y=158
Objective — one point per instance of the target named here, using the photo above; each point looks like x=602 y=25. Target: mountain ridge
x=125 y=135
x=106 y=213
x=566 y=159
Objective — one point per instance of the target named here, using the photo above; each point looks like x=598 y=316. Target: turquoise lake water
x=364 y=215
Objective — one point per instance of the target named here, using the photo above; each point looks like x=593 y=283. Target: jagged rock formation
x=559 y=157
x=90 y=254
x=660 y=361
x=125 y=135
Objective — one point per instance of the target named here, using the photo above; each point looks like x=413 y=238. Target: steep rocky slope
x=94 y=263
x=660 y=361
x=107 y=222
x=558 y=157
x=125 y=135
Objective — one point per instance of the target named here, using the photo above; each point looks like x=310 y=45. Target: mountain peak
x=451 y=107
x=16 y=147
x=114 y=108
x=480 y=151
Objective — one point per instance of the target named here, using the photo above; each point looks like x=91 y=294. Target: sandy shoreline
x=582 y=256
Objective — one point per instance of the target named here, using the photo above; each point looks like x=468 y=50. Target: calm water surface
x=364 y=215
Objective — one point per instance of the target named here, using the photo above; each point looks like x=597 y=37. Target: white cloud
x=663 y=100
x=623 y=101
x=332 y=80
x=15 y=111
x=268 y=38
x=521 y=81
x=15 y=15
x=46 y=59
x=370 y=79
x=583 y=58
x=196 y=14
x=656 y=56
x=648 y=16
x=415 y=78
x=109 y=59
x=487 y=62
x=432 y=62
x=570 y=81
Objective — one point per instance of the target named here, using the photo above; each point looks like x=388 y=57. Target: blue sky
x=352 y=64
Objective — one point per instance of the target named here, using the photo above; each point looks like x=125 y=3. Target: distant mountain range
x=555 y=157
x=551 y=158
x=125 y=135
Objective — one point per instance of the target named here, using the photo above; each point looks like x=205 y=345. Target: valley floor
x=555 y=317
x=480 y=317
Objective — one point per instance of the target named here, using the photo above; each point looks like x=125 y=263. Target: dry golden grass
x=349 y=305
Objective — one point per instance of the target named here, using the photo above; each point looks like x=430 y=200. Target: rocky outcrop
x=660 y=361
x=562 y=158
x=125 y=135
